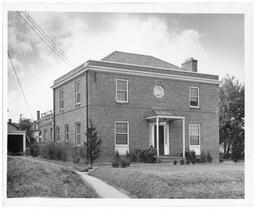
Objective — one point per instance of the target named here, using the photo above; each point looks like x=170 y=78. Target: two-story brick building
x=136 y=101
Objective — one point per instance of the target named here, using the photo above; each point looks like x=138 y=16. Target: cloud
x=74 y=34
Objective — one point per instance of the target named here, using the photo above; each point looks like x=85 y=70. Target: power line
x=45 y=35
x=20 y=85
x=42 y=38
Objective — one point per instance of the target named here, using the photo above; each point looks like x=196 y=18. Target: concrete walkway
x=102 y=189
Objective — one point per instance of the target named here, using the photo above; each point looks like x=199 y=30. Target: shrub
x=190 y=156
x=127 y=157
x=182 y=162
x=116 y=159
x=115 y=164
x=138 y=154
x=75 y=154
x=133 y=157
x=202 y=157
x=124 y=163
x=221 y=157
x=209 y=157
x=175 y=162
x=188 y=161
x=34 y=149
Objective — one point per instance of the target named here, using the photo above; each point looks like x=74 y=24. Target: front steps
x=170 y=159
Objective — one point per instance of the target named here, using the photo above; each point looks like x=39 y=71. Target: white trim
x=77 y=82
x=167 y=139
x=146 y=66
x=69 y=78
x=162 y=116
x=194 y=87
x=127 y=91
x=127 y=122
x=183 y=137
x=157 y=135
x=155 y=75
x=23 y=133
x=60 y=100
x=142 y=73
x=199 y=134
x=76 y=123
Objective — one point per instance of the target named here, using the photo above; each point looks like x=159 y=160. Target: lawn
x=29 y=178
x=204 y=181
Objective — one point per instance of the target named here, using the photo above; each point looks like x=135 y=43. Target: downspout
x=53 y=114
x=87 y=111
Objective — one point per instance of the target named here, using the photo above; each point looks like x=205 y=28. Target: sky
x=215 y=40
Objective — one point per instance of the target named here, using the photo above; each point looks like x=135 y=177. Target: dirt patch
x=27 y=178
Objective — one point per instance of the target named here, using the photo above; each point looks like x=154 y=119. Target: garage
x=16 y=139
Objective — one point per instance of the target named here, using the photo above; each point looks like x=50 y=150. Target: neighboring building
x=136 y=101
x=16 y=141
x=46 y=125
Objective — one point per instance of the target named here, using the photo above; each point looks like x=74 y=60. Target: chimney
x=38 y=115
x=10 y=121
x=190 y=65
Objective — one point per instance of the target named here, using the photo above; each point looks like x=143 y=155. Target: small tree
x=93 y=144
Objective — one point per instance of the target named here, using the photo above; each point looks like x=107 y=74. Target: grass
x=203 y=181
x=29 y=178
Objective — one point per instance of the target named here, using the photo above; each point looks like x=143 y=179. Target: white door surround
x=155 y=120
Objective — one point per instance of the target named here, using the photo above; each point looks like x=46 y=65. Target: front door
x=161 y=139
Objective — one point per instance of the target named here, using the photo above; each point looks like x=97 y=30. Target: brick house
x=136 y=101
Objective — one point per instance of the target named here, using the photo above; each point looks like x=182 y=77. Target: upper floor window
x=122 y=132
x=194 y=97
x=58 y=133
x=66 y=132
x=121 y=90
x=194 y=134
x=77 y=93
x=61 y=99
x=78 y=133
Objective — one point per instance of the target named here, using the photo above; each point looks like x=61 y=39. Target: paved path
x=102 y=189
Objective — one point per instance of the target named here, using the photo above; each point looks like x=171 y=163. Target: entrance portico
x=159 y=137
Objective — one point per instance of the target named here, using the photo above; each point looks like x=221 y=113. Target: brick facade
x=103 y=110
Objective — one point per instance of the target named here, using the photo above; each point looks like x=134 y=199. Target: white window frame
x=127 y=122
x=77 y=82
x=58 y=133
x=79 y=134
x=127 y=91
x=66 y=132
x=199 y=135
x=61 y=99
x=194 y=87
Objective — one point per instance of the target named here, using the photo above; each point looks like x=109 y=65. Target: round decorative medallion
x=158 y=91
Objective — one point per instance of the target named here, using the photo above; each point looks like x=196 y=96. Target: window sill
x=122 y=102
x=78 y=104
x=194 y=107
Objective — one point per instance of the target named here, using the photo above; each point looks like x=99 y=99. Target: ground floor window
x=194 y=134
x=78 y=133
x=122 y=132
x=66 y=132
x=45 y=134
x=58 y=133
x=51 y=133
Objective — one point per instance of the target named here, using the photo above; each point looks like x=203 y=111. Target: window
x=194 y=134
x=194 y=97
x=121 y=91
x=58 y=133
x=45 y=134
x=66 y=132
x=51 y=133
x=61 y=99
x=78 y=134
x=122 y=132
x=77 y=93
